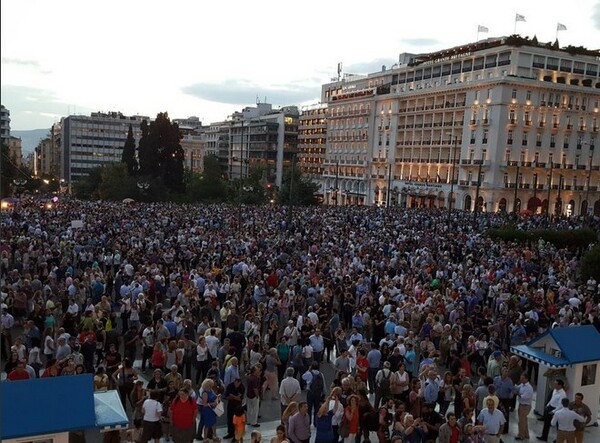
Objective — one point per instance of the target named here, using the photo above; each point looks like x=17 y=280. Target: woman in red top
x=362 y=365
x=183 y=417
x=351 y=415
x=158 y=357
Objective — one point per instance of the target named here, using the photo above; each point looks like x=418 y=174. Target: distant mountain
x=30 y=138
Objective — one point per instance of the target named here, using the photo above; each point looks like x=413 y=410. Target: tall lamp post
x=451 y=196
x=387 y=193
x=549 y=188
x=589 y=208
x=476 y=207
x=515 y=208
x=290 y=209
x=334 y=191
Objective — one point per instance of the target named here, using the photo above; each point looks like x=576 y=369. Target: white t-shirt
x=152 y=410
x=48 y=345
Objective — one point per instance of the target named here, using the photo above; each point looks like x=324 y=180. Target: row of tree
x=157 y=173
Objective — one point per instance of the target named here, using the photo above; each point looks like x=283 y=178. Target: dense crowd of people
x=359 y=321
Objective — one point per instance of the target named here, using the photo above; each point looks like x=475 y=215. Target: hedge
x=578 y=238
x=590 y=264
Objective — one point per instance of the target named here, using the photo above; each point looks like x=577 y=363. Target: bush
x=579 y=238
x=590 y=264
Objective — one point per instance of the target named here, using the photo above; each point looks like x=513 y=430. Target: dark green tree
x=302 y=192
x=160 y=153
x=115 y=183
x=129 y=153
x=9 y=171
x=88 y=187
x=208 y=186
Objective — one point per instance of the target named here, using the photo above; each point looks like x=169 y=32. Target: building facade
x=312 y=142
x=263 y=137
x=499 y=125
x=192 y=143
x=4 y=124
x=91 y=141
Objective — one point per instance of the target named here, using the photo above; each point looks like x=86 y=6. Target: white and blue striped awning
x=538 y=356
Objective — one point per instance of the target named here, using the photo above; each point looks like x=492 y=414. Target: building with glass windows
x=95 y=140
x=503 y=124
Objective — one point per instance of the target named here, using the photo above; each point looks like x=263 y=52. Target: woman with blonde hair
x=291 y=409
x=209 y=401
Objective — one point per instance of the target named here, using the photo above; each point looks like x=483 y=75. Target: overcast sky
x=210 y=58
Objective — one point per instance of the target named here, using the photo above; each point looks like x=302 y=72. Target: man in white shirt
x=524 y=392
x=152 y=410
x=555 y=402
x=291 y=332
x=564 y=418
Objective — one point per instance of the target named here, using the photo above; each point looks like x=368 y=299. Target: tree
x=208 y=186
x=303 y=191
x=88 y=187
x=129 y=153
x=160 y=152
x=115 y=183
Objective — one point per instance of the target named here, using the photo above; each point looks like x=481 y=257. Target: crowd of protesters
x=414 y=315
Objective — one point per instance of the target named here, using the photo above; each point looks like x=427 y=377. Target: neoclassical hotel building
x=503 y=124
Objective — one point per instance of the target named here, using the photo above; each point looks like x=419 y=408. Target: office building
x=504 y=124
x=91 y=141
x=312 y=141
x=263 y=137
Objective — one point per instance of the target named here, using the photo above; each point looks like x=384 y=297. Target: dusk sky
x=211 y=58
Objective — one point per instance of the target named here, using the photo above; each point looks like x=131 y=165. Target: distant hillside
x=30 y=138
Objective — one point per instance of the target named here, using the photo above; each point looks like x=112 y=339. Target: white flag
x=482 y=29
x=560 y=27
x=519 y=18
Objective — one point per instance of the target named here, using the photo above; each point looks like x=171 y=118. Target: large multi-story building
x=192 y=143
x=4 y=124
x=499 y=125
x=48 y=153
x=216 y=142
x=91 y=141
x=262 y=136
x=312 y=141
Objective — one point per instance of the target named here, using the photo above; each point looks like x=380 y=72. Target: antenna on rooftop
x=339 y=71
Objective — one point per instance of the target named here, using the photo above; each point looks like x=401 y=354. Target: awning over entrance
x=537 y=355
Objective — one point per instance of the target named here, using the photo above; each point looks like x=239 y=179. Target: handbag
x=344 y=428
x=219 y=408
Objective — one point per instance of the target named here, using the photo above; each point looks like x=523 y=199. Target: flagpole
x=477 y=39
x=515 y=31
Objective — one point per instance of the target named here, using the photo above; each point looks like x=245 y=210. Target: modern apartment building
x=265 y=137
x=499 y=125
x=312 y=141
x=91 y=141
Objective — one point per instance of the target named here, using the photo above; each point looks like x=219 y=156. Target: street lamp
x=589 y=208
x=476 y=207
x=20 y=183
x=143 y=187
x=291 y=190
x=451 y=196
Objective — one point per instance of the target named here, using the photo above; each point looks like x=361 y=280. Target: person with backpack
x=383 y=392
x=315 y=389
